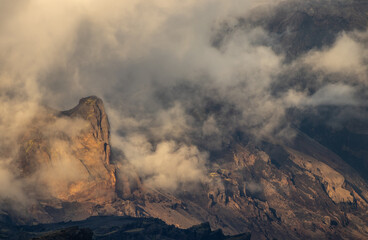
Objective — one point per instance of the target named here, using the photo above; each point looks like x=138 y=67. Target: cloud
x=165 y=166
x=11 y=190
x=52 y=166
x=57 y=176
x=334 y=94
x=346 y=56
x=171 y=95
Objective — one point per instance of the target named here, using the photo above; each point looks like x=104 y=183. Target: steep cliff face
x=68 y=153
x=92 y=148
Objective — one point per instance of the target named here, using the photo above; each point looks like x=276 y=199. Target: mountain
x=289 y=190
x=66 y=158
x=312 y=185
x=90 y=149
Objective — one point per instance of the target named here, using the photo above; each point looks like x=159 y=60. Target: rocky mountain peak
x=92 y=109
x=69 y=153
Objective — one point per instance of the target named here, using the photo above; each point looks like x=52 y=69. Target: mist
x=174 y=93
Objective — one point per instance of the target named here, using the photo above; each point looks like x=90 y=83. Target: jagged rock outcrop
x=68 y=154
x=93 y=150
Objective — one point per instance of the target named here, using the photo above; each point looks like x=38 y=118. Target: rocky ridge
x=284 y=191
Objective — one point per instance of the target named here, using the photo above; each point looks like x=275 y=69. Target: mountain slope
x=288 y=190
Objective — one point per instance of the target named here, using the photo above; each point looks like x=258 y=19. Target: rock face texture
x=292 y=190
x=68 y=153
x=295 y=191
x=93 y=150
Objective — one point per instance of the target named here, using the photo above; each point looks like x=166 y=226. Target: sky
x=178 y=78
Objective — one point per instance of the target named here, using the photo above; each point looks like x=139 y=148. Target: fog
x=172 y=95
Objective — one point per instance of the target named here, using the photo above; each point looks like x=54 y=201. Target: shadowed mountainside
x=275 y=190
x=296 y=27
x=111 y=228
